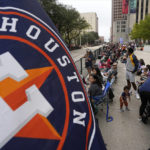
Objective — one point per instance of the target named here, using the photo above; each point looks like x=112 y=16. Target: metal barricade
x=80 y=64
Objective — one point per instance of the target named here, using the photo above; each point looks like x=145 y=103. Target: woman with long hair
x=95 y=88
x=96 y=71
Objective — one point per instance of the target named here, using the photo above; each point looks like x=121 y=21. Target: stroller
x=146 y=114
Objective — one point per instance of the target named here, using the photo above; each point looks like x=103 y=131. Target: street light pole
x=80 y=40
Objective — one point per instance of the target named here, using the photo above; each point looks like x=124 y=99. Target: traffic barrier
x=80 y=64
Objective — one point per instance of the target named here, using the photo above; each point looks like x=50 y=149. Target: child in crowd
x=142 y=64
x=148 y=66
x=141 y=67
x=123 y=99
x=144 y=75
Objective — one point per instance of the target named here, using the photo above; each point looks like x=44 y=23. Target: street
x=125 y=132
x=77 y=54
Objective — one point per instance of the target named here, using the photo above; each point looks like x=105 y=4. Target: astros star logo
x=23 y=102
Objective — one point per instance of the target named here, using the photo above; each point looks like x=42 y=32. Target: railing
x=81 y=62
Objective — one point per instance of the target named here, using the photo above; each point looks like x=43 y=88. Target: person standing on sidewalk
x=131 y=68
x=88 y=61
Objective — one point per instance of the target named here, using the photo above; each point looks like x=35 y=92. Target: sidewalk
x=125 y=132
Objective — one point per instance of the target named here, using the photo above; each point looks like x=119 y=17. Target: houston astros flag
x=43 y=104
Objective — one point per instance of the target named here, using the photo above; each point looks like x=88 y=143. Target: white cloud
x=101 y=7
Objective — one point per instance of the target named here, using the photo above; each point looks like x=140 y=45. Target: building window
x=118 y=26
x=123 y=26
x=123 y=30
x=118 y=22
x=125 y=17
x=118 y=30
x=123 y=22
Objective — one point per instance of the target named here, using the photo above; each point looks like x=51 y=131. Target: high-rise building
x=92 y=19
x=125 y=22
x=119 y=23
x=142 y=9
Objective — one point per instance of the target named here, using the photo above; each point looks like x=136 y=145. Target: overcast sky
x=101 y=7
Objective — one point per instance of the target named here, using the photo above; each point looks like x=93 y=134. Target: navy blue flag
x=43 y=104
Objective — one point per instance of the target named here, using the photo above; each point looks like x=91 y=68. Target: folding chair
x=100 y=99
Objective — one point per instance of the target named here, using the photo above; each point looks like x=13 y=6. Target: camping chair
x=100 y=99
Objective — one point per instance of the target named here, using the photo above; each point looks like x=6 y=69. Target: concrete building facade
x=119 y=29
x=101 y=38
x=92 y=19
x=142 y=9
x=123 y=24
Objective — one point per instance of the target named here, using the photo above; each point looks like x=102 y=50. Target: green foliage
x=89 y=38
x=141 y=30
x=66 y=19
x=55 y=12
x=74 y=25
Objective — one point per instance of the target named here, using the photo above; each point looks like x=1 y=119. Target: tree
x=74 y=25
x=66 y=19
x=135 y=33
x=55 y=11
x=141 y=30
x=89 y=38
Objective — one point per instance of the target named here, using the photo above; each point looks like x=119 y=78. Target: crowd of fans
x=105 y=69
x=101 y=72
